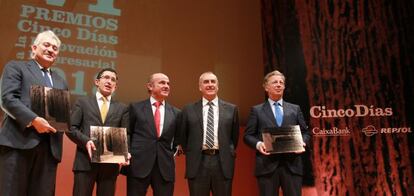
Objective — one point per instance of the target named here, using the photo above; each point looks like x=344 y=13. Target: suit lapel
x=168 y=114
x=111 y=109
x=34 y=68
x=269 y=113
x=222 y=109
x=286 y=110
x=57 y=82
x=198 y=110
x=149 y=116
x=95 y=107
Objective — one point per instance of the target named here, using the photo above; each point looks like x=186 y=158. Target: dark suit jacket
x=86 y=113
x=191 y=127
x=261 y=116
x=144 y=146
x=18 y=77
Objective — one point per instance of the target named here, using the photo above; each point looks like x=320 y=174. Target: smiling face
x=159 y=86
x=45 y=53
x=275 y=86
x=106 y=84
x=208 y=85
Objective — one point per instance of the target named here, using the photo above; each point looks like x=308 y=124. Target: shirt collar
x=280 y=102
x=99 y=96
x=153 y=100
x=215 y=101
x=40 y=67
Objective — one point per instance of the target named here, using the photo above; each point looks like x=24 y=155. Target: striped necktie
x=46 y=78
x=210 y=126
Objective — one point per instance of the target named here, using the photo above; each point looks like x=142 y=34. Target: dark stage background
x=348 y=64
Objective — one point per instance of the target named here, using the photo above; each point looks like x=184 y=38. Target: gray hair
x=41 y=36
x=273 y=73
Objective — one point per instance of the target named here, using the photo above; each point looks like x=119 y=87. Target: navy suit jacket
x=145 y=147
x=191 y=127
x=86 y=113
x=17 y=78
x=261 y=116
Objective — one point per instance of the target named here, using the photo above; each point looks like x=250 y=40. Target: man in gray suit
x=87 y=112
x=30 y=148
x=276 y=170
x=153 y=140
x=210 y=131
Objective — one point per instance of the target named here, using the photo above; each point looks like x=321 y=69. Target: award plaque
x=51 y=104
x=283 y=139
x=111 y=144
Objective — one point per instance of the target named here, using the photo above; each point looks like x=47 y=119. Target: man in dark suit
x=30 y=148
x=276 y=170
x=153 y=137
x=98 y=110
x=210 y=131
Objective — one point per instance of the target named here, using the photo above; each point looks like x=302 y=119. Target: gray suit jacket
x=261 y=116
x=191 y=127
x=86 y=113
x=17 y=78
x=145 y=147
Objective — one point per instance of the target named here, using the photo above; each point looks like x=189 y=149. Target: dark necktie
x=210 y=126
x=46 y=78
x=278 y=114
x=157 y=117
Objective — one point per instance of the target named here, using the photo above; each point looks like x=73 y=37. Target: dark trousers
x=210 y=178
x=104 y=175
x=28 y=172
x=160 y=187
x=282 y=177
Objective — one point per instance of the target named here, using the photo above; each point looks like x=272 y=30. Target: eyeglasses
x=106 y=77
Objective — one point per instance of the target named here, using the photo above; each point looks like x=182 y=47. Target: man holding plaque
x=98 y=110
x=283 y=170
x=30 y=148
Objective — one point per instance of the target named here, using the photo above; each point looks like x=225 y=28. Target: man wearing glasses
x=98 y=110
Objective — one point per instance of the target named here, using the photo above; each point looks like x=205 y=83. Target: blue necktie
x=46 y=78
x=278 y=114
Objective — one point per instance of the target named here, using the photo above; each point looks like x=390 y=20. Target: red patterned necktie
x=157 y=117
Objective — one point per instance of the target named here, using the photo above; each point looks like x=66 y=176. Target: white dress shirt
x=216 y=120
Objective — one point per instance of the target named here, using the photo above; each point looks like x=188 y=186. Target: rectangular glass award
x=51 y=104
x=286 y=139
x=111 y=144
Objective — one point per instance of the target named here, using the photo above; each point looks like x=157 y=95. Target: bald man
x=153 y=136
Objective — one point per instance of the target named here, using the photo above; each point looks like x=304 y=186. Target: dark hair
x=106 y=69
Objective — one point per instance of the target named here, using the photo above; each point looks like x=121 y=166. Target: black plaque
x=51 y=104
x=286 y=139
x=111 y=144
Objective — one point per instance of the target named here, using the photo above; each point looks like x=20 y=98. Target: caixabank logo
x=370 y=130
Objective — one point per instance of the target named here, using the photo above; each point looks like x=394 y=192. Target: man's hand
x=301 y=151
x=179 y=151
x=90 y=146
x=126 y=162
x=42 y=126
x=262 y=148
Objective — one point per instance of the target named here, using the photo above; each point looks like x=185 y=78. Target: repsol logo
x=356 y=111
x=370 y=130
